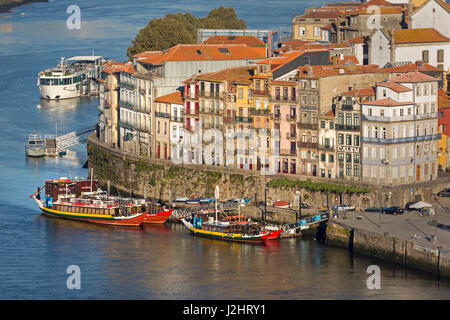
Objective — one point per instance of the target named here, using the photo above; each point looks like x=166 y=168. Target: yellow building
x=444 y=130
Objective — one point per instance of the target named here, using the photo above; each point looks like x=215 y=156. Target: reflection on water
x=155 y=261
x=59 y=105
x=6 y=27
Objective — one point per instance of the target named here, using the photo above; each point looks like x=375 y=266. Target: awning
x=420 y=205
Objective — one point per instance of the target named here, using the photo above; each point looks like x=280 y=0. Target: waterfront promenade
x=408 y=226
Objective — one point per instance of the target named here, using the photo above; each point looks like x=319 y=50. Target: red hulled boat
x=158 y=218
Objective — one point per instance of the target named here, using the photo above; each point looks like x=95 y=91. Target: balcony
x=326 y=147
x=126 y=125
x=402 y=140
x=347 y=127
x=401 y=118
x=260 y=111
x=346 y=107
x=288 y=152
x=276 y=116
x=284 y=99
x=291 y=135
x=260 y=92
x=211 y=95
x=291 y=117
x=162 y=115
x=229 y=120
x=310 y=126
x=127 y=85
x=127 y=104
x=308 y=145
x=244 y=119
x=177 y=119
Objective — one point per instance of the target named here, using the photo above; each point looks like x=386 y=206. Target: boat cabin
x=56 y=188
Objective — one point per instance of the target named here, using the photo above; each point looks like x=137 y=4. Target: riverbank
x=167 y=180
x=396 y=239
x=422 y=243
x=7 y=5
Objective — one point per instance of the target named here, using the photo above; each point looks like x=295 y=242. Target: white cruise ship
x=72 y=78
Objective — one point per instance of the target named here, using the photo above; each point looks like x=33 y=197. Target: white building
x=432 y=14
x=409 y=45
x=400 y=131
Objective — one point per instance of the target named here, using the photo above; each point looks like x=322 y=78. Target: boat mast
x=92 y=173
x=216 y=198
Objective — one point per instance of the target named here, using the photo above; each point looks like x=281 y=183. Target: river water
x=156 y=262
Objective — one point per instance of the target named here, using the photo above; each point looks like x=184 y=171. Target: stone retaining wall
x=163 y=178
x=389 y=248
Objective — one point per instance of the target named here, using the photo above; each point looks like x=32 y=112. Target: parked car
x=444 y=193
x=373 y=210
x=344 y=207
x=392 y=210
x=305 y=205
x=387 y=210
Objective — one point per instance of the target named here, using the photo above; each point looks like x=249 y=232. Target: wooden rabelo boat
x=203 y=224
x=77 y=200
x=157 y=216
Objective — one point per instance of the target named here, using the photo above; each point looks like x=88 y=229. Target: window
x=341 y=138
x=425 y=56
x=356 y=158
x=240 y=93
x=356 y=120
x=348 y=120
x=401 y=113
x=331 y=125
x=348 y=157
x=356 y=140
x=322 y=172
x=440 y=55
x=340 y=118
x=356 y=171
x=317 y=31
x=331 y=158
x=302 y=31
x=323 y=157
x=348 y=170
x=322 y=124
x=349 y=139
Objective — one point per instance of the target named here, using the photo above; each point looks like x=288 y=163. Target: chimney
x=310 y=70
x=419 y=63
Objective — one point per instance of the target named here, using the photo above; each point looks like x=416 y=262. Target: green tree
x=173 y=29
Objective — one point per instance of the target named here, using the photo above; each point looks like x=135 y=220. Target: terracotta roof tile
x=116 y=67
x=394 y=86
x=228 y=74
x=411 y=77
x=201 y=52
x=174 y=97
x=250 y=41
x=418 y=36
x=388 y=102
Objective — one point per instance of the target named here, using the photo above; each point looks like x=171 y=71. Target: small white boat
x=181 y=199
x=35 y=146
